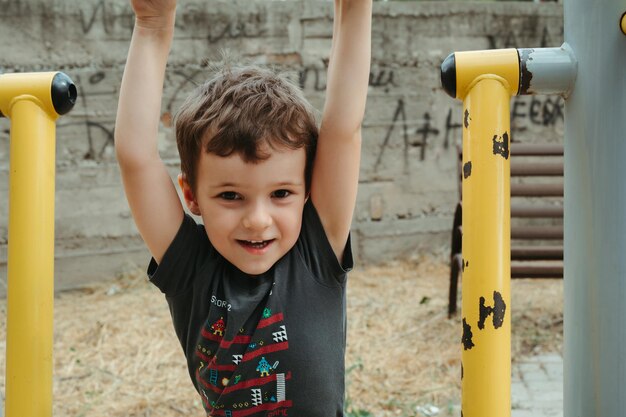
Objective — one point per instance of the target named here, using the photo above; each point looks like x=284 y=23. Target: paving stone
x=520 y=396
x=554 y=371
x=551 y=358
x=547 y=393
x=551 y=411
x=531 y=372
x=537 y=387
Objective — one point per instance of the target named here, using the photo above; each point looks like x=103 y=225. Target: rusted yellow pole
x=486 y=356
x=33 y=103
x=485 y=81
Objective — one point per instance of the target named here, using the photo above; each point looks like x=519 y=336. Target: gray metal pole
x=595 y=213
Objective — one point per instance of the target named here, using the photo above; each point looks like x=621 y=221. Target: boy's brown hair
x=240 y=110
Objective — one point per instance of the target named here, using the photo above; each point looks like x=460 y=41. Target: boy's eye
x=281 y=193
x=229 y=195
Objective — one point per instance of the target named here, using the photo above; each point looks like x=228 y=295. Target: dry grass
x=116 y=353
x=407 y=352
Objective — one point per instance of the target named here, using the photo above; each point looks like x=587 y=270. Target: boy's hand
x=154 y=14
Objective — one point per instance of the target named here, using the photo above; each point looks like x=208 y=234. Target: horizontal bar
x=525 y=70
x=536 y=271
x=547 y=70
x=524 y=253
x=529 y=169
x=535 y=149
x=536 y=190
x=537 y=232
x=538 y=169
x=536 y=211
x=528 y=149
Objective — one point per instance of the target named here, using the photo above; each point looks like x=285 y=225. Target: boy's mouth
x=255 y=244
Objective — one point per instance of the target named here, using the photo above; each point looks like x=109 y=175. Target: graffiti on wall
x=252 y=25
x=424 y=132
x=533 y=36
x=196 y=20
x=111 y=17
x=414 y=135
x=98 y=130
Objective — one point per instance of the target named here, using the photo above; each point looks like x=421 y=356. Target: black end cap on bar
x=448 y=75
x=63 y=93
x=525 y=76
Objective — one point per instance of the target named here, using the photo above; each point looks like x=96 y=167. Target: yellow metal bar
x=486 y=340
x=32 y=102
x=31 y=86
x=472 y=64
x=30 y=261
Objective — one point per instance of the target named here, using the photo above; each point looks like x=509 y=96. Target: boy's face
x=252 y=212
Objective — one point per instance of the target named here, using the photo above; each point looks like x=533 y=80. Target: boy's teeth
x=256 y=243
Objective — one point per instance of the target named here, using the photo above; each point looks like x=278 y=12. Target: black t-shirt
x=267 y=345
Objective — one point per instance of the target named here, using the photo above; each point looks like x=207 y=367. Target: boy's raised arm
x=336 y=169
x=151 y=195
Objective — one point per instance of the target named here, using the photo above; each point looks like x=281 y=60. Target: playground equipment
x=531 y=257
x=33 y=102
x=586 y=70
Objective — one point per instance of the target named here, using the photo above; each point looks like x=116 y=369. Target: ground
x=115 y=352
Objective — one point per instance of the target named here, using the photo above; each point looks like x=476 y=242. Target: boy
x=256 y=293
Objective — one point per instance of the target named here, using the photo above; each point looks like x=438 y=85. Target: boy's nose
x=257 y=218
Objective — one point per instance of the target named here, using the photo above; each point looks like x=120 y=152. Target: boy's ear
x=190 y=199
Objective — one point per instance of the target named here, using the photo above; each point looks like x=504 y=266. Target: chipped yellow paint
x=486 y=356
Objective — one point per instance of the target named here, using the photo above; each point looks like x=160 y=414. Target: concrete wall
x=408 y=189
